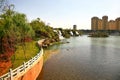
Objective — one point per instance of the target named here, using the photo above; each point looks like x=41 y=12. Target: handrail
x=12 y=73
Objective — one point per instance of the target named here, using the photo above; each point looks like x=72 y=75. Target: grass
x=30 y=51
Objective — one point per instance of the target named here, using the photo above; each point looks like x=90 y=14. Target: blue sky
x=66 y=13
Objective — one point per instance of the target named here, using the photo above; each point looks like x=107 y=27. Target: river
x=84 y=58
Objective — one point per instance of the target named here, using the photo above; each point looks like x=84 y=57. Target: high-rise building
x=94 y=23
x=105 y=22
x=118 y=23
x=74 y=27
x=100 y=24
x=112 y=25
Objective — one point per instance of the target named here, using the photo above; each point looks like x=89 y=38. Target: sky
x=66 y=13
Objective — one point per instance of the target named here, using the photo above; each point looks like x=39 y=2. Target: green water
x=84 y=58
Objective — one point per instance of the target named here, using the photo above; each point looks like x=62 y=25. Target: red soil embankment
x=5 y=63
x=4 y=66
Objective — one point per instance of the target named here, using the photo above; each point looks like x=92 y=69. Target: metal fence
x=12 y=73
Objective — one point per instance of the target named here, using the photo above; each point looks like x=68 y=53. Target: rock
x=40 y=42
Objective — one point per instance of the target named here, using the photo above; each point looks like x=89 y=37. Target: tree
x=38 y=25
x=14 y=29
x=7 y=30
x=23 y=29
x=42 y=30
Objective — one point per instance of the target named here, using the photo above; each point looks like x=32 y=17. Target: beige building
x=94 y=23
x=118 y=23
x=112 y=25
x=104 y=24
x=100 y=24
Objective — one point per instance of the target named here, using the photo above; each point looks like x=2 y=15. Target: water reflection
x=84 y=59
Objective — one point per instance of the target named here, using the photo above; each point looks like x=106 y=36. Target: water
x=84 y=58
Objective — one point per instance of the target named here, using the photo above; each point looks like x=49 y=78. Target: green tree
x=7 y=29
x=23 y=29
x=38 y=25
x=43 y=30
x=14 y=28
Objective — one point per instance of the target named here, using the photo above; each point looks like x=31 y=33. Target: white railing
x=22 y=68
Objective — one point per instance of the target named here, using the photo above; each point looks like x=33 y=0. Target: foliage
x=14 y=28
x=42 y=30
x=66 y=33
x=23 y=29
x=7 y=36
x=99 y=34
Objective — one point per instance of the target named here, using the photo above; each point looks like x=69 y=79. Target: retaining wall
x=33 y=72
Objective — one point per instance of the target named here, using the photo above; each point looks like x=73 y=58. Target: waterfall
x=60 y=35
x=71 y=33
x=55 y=31
x=77 y=33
